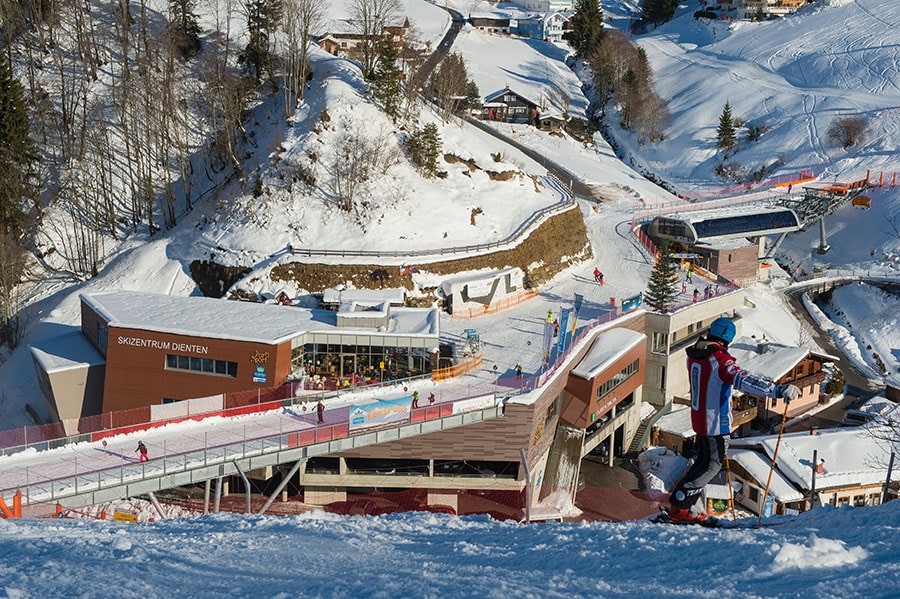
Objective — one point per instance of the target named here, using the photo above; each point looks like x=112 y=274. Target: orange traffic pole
x=881 y=179
x=17 y=504
x=5 y=508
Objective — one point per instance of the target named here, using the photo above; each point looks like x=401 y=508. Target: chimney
x=820 y=467
x=762 y=346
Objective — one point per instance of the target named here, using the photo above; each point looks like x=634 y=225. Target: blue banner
x=563 y=328
x=632 y=303
x=380 y=413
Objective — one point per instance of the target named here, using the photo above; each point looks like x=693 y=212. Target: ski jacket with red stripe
x=713 y=374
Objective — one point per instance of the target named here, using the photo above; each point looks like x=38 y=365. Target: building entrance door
x=348 y=365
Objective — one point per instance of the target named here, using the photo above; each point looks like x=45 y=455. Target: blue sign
x=380 y=412
x=769 y=509
x=563 y=327
x=259 y=375
x=632 y=303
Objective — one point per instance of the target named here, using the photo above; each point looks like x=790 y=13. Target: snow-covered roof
x=450 y=285
x=774 y=363
x=507 y=90
x=607 y=348
x=677 y=422
x=242 y=321
x=853 y=456
x=758 y=466
x=395 y=296
x=68 y=351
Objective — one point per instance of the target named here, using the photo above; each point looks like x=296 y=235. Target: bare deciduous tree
x=369 y=18
x=360 y=156
x=846 y=131
x=12 y=267
x=301 y=19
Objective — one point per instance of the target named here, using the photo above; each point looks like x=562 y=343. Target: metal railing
x=566 y=203
x=253 y=442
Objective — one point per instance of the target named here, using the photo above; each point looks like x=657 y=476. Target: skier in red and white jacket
x=713 y=374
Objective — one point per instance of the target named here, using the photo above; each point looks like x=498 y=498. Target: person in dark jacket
x=142 y=449
x=713 y=374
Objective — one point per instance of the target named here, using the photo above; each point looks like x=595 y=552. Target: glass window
x=231 y=369
x=195 y=365
x=184 y=363
x=207 y=365
x=659 y=342
x=171 y=361
x=220 y=366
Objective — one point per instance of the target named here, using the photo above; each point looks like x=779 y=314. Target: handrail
x=566 y=203
x=286 y=439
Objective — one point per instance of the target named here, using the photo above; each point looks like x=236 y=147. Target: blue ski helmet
x=722 y=328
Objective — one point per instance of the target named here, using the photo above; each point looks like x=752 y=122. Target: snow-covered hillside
x=793 y=76
x=848 y=552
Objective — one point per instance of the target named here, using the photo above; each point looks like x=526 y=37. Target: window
x=754 y=495
x=690 y=328
x=102 y=337
x=203 y=365
x=660 y=342
x=617 y=379
x=662 y=377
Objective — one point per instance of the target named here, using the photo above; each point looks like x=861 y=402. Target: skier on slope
x=713 y=374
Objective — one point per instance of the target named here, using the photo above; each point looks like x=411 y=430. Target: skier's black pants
x=710 y=458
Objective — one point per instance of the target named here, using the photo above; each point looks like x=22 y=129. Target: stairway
x=637 y=442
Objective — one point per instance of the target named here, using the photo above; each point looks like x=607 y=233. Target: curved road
x=858 y=386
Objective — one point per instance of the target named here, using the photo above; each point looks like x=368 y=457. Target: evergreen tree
x=386 y=78
x=17 y=154
x=725 y=134
x=473 y=95
x=424 y=147
x=662 y=288
x=658 y=11
x=263 y=18
x=184 y=28
x=587 y=27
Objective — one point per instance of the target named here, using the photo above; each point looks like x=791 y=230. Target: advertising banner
x=632 y=303
x=563 y=328
x=473 y=403
x=380 y=413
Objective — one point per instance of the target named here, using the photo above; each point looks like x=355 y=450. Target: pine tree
x=263 y=17
x=662 y=288
x=17 y=154
x=386 y=78
x=424 y=147
x=587 y=27
x=658 y=11
x=184 y=27
x=725 y=134
x=473 y=95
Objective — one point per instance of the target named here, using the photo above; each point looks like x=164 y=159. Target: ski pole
x=772 y=468
x=730 y=488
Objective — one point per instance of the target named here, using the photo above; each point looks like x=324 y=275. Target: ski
x=663 y=517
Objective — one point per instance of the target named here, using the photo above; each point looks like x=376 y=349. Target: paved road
x=858 y=386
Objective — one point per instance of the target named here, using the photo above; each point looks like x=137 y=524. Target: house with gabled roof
x=783 y=364
x=845 y=466
x=510 y=107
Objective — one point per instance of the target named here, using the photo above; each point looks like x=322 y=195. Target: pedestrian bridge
x=194 y=452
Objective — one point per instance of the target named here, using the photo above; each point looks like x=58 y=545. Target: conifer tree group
x=662 y=288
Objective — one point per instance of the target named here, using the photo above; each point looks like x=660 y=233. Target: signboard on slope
x=380 y=413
